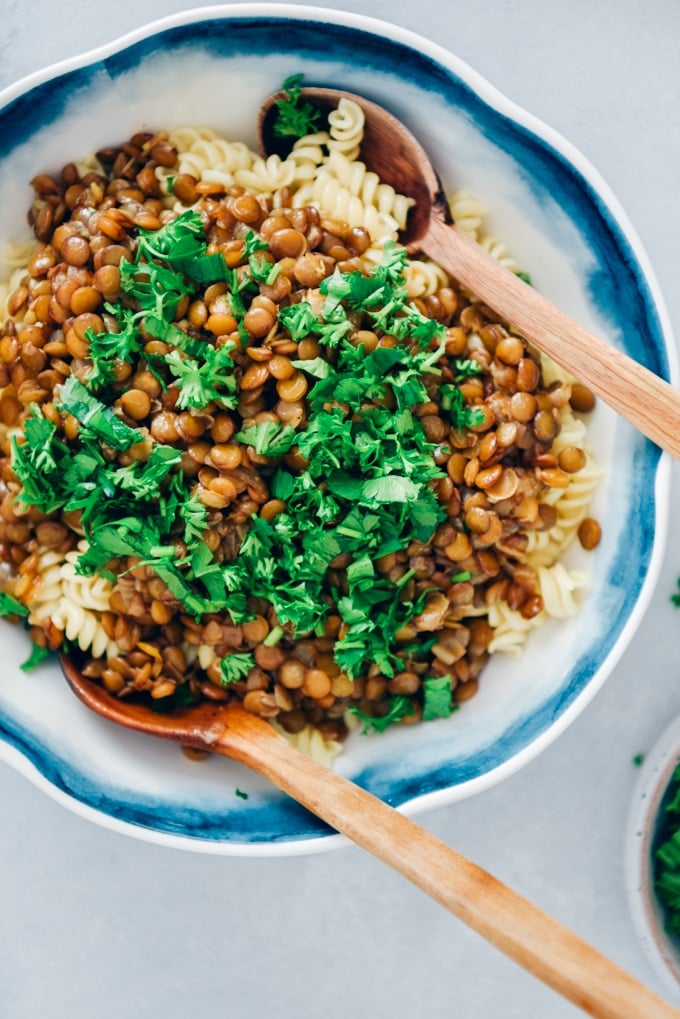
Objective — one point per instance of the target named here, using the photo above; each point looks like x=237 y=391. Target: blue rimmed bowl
x=214 y=66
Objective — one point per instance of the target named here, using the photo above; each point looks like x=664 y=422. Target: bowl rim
x=546 y=135
x=642 y=820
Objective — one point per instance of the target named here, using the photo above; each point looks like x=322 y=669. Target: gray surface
x=96 y=925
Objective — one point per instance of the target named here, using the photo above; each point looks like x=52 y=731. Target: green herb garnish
x=236 y=666
x=295 y=118
x=202 y=381
x=666 y=856
x=400 y=707
x=366 y=487
x=437 y=697
x=460 y=414
x=38 y=654
x=10 y=606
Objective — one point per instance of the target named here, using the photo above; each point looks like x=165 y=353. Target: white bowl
x=564 y=226
x=645 y=819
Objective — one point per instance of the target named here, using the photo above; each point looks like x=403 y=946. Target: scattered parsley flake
x=268 y=438
x=10 y=606
x=400 y=707
x=38 y=654
x=236 y=666
x=437 y=697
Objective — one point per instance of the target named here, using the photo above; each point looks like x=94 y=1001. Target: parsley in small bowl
x=653 y=855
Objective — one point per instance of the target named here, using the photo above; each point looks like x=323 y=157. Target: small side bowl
x=645 y=819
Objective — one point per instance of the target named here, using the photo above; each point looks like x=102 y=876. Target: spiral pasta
x=510 y=629
x=265 y=176
x=364 y=184
x=571 y=508
x=313 y=743
x=45 y=591
x=308 y=153
x=346 y=128
x=327 y=193
x=558 y=585
x=499 y=250
x=16 y=257
x=72 y=603
x=468 y=212
x=206 y=156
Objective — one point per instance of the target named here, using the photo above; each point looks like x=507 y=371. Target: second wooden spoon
x=391 y=151
x=543 y=946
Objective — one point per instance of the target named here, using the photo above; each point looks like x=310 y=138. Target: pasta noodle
x=346 y=129
x=467 y=211
x=424 y=277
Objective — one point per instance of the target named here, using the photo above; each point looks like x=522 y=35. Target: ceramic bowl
x=644 y=832
x=215 y=66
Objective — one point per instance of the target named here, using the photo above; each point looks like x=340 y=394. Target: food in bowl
x=254 y=451
x=651 y=863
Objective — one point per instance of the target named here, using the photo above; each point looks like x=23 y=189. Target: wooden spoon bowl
x=542 y=945
x=391 y=151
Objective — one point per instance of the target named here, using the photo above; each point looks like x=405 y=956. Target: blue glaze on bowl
x=595 y=265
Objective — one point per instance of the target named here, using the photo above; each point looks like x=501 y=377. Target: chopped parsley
x=37 y=656
x=10 y=606
x=460 y=414
x=202 y=381
x=236 y=666
x=295 y=117
x=363 y=484
x=437 y=697
x=666 y=856
x=400 y=707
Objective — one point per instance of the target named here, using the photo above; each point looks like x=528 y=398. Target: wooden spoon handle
x=537 y=942
x=644 y=399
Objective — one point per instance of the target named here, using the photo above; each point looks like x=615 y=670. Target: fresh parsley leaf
x=38 y=654
x=299 y=319
x=96 y=416
x=436 y=697
x=268 y=438
x=10 y=606
x=295 y=118
x=107 y=348
x=400 y=707
x=466 y=367
x=236 y=666
x=201 y=382
x=36 y=460
x=390 y=488
x=144 y=478
x=194 y=514
x=460 y=414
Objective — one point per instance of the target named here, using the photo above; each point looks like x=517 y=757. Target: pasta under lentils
x=219 y=347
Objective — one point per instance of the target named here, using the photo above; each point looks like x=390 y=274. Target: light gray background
x=95 y=926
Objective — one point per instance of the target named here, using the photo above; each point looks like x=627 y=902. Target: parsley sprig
x=295 y=118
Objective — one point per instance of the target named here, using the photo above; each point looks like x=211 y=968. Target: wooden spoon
x=391 y=151
x=543 y=946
